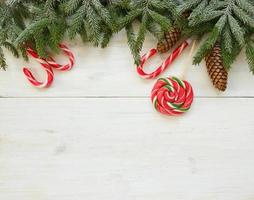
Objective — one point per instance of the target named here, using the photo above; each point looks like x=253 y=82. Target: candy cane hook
x=164 y=65
x=45 y=65
x=67 y=66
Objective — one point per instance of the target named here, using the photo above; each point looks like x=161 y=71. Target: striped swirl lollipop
x=172 y=96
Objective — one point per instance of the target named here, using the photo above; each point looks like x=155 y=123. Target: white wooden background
x=95 y=136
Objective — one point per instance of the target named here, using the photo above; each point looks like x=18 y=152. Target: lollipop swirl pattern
x=172 y=96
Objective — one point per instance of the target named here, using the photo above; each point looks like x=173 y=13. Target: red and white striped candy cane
x=65 y=67
x=164 y=65
x=45 y=65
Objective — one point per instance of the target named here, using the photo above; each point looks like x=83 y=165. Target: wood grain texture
x=111 y=149
x=111 y=72
x=95 y=136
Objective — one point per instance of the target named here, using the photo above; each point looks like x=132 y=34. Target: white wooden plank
x=111 y=149
x=111 y=72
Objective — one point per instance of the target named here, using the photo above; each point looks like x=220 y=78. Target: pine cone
x=215 y=68
x=171 y=38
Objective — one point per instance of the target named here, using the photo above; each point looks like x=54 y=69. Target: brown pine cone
x=215 y=68
x=170 y=39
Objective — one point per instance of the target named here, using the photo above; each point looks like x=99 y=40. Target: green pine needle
x=250 y=55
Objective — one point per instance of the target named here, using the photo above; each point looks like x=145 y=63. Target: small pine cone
x=170 y=39
x=215 y=68
x=162 y=46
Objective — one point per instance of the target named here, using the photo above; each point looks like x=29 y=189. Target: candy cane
x=65 y=67
x=164 y=65
x=45 y=65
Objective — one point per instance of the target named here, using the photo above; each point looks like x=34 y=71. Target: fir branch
x=141 y=33
x=71 y=6
x=246 y=6
x=227 y=40
x=226 y=21
x=155 y=30
x=2 y=60
x=40 y=43
x=149 y=13
x=77 y=23
x=243 y=16
x=12 y=16
x=210 y=41
x=234 y=17
x=83 y=35
x=132 y=43
x=228 y=58
x=104 y=14
x=56 y=32
x=236 y=30
x=105 y=36
x=189 y=5
x=209 y=15
x=199 y=9
x=50 y=5
x=93 y=24
x=11 y=48
x=32 y=29
x=164 y=22
x=250 y=55
x=129 y=18
x=89 y=17
x=206 y=46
